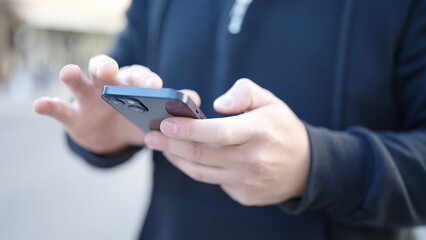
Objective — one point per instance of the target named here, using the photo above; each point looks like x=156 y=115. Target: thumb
x=244 y=95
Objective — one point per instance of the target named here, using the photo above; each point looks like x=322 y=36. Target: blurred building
x=38 y=37
x=8 y=23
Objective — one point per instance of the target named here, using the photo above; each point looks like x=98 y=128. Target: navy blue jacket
x=354 y=71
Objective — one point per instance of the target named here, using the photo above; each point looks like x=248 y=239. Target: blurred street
x=46 y=192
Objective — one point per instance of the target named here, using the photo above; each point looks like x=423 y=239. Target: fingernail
x=150 y=81
x=45 y=98
x=168 y=127
x=224 y=101
x=102 y=66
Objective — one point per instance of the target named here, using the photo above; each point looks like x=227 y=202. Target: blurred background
x=46 y=192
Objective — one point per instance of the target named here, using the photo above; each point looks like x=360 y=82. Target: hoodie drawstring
x=237 y=15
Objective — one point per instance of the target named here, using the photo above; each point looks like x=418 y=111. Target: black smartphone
x=147 y=107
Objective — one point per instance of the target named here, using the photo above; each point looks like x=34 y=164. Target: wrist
x=303 y=161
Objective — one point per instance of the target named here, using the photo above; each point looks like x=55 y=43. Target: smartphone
x=147 y=107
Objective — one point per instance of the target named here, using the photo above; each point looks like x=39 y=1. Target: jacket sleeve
x=103 y=160
x=359 y=176
x=129 y=49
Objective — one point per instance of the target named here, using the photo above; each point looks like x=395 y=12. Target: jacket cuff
x=339 y=174
x=103 y=160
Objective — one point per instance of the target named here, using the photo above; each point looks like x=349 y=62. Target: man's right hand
x=88 y=119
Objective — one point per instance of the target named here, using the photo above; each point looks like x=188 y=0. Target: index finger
x=221 y=131
x=103 y=70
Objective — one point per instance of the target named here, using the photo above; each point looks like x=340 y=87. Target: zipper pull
x=237 y=14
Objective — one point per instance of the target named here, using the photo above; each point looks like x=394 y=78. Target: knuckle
x=245 y=198
x=245 y=85
x=258 y=132
x=190 y=132
x=223 y=135
x=245 y=156
x=196 y=151
x=254 y=161
x=175 y=161
x=248 y=182
x=196 y=174
x=264 y=135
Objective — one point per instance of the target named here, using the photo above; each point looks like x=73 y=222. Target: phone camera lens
x=137 y=109
x=131 y=102
x=116 y=102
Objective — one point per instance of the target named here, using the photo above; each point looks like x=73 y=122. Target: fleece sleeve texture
x=376 y=178
x=103 y=160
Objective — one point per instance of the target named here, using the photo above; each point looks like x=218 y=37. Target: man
x=334 y=149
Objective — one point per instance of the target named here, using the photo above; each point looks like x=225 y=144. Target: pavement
x=46 y=192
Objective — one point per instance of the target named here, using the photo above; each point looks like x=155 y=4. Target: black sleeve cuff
x=339 y=173
x=103 y=160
